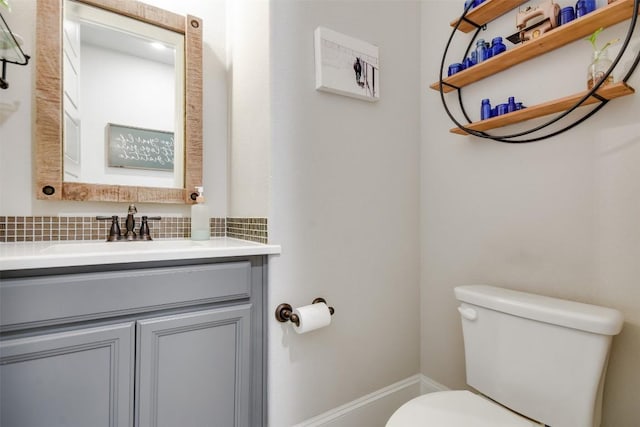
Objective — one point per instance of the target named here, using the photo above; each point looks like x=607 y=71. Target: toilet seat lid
x=458 y=408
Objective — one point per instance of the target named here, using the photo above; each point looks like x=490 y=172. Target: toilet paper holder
x=284 y=312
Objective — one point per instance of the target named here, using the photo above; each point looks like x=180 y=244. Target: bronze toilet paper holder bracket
x=284 y=312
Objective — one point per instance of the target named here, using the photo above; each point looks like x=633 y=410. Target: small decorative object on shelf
x=471 y=60
x=482 y=53
x=567 y=14
x=497 y=46
x=585 y=6
x=472 y=3
x=599 y=66
x=488 y=11
x=486 y=112
x=549 y=12
x=600 y=63
x=455 y=68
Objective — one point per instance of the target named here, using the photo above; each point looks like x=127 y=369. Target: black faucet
x=131 y=223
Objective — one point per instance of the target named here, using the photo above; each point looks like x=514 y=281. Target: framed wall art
x=346 y=65
x=138 y=148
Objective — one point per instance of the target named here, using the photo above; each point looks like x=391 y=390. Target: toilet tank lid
x=570 y=314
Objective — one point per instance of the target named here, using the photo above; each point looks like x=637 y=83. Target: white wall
x=559 y=217
x=15 y=127
x=140 y=79
x=16 y=164
x=344 y=207
x=250 y=121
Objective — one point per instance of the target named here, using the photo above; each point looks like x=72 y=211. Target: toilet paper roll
x=312 y=317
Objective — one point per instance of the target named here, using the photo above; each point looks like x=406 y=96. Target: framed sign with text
x=138 y=148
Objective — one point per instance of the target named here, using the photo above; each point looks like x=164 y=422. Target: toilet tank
x=542 y=357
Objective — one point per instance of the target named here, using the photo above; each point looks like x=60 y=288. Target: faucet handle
x=132 y=209
x=145 y=233
x=114 y=232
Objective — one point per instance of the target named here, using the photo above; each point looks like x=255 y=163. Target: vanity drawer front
x=40 y=301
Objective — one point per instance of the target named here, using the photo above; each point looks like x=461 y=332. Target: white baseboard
x=427 y=385
x=374 y=409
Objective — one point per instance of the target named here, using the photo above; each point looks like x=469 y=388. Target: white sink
x=121 y=246
x=21 y=255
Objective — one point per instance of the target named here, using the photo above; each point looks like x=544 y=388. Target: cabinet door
x=193 y=369
x=75 y=378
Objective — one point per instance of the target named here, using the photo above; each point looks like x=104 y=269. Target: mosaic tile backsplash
x=253 y=229
x=51 y=228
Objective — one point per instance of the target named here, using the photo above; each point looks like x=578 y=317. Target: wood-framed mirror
x=54 y=135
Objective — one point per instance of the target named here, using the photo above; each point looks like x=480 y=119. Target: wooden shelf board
x=604 y=17
x=486 y=12
x=612 y=91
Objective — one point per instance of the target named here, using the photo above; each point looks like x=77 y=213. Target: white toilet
x=536 y=360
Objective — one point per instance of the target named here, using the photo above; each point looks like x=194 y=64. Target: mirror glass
x=122 y=92
x=118 y=102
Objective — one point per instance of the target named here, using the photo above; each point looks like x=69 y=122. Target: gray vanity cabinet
x=74 y=378
x=193 y=369
x=151 y=344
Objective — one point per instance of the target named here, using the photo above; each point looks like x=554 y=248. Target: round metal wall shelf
x=517 y=138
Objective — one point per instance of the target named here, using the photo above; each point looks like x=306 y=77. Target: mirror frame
x=49 y=109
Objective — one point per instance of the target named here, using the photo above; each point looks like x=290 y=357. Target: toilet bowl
x=459 y=408
x=536 y=361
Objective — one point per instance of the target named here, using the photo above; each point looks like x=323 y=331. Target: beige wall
x=250 y=120
x=559 y=217
x=344 y=206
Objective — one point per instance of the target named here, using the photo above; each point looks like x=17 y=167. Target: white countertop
x=26 y=255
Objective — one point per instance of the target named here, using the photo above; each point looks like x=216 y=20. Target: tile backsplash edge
x=57 y=228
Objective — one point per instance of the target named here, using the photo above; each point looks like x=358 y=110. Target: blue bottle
x=481 y=51
x=497 y=46
x=468 y=63
x=511 y=106
x=487 y=50
x=485 y=110
x=455 y=68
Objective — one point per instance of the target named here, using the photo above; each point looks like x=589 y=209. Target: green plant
x=6 y=4
x=593 y=39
